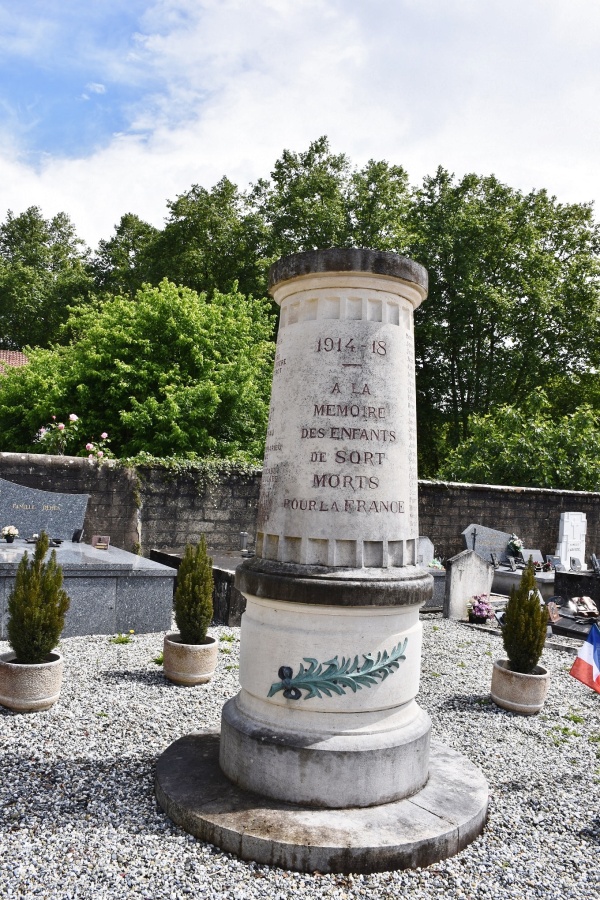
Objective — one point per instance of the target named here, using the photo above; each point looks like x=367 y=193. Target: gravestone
x=467 y=575
x=571 y=537
x=332 y=599
x=536 y=556
x=426 y=552
x=33 y=511
x=486 y=541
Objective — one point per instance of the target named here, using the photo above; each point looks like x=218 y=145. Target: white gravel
x=78 y=818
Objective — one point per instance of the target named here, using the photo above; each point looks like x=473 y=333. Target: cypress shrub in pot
x=31 y=675
x=519 y=684
x=190 y=655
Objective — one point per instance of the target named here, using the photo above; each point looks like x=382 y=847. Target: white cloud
x=508 y=88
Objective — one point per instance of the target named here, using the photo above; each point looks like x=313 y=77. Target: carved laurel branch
x=333 y=677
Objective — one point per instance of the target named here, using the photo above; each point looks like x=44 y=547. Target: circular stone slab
x=437 y=822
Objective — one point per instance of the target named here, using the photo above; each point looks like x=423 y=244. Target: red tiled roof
x=11 y=359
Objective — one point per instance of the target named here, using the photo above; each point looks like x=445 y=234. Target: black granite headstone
x=33 y=511
x=486 y=541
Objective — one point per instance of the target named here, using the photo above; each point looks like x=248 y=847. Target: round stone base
x=333 y=771
x=437 y=822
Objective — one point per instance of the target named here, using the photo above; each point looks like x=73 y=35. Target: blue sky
x=110 y=107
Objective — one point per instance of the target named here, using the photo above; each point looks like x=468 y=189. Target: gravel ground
x=78 y=816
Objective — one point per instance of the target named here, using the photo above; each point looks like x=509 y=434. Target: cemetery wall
x=152 y=507
x=146 y=507
x=446 y=508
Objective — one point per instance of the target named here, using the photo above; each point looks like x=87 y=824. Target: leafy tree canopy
x=529 y=447
x=513 y=300
x=42 y=272
x=167 y=373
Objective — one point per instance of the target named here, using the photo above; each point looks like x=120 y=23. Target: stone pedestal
x=331 y=639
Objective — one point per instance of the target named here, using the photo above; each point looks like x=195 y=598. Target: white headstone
x=467 y=576
x=571 y=538
x=426 y=551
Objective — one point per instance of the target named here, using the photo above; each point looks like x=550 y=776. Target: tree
x=42 y=273
x=167 y=373
x=212 y=241
x=529 y=447
x=304 y=204
x=513 y=300
x=124 y=262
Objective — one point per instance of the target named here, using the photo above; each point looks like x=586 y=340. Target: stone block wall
x=151 y=507
x=176 y=508
x=111 y=508
x=446 y=509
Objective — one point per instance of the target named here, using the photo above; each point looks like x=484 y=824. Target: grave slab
x=110 y=590
x=571 y=537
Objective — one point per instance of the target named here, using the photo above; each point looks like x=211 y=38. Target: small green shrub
x=193 y=597
x=524 y=632
x=37 y=606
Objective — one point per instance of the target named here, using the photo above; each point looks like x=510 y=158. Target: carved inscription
x=341 y=465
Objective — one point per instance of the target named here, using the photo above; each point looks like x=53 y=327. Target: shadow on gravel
x=592 y=832
x=473 y=702
x=87 y=791
x=143 y=677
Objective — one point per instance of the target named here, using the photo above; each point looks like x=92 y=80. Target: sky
x=109 y=107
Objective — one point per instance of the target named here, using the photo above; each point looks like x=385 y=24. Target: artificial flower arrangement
x=10 y=531
x=515 y=545
x=480 y=607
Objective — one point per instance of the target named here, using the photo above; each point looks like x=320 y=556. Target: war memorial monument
x=325 y=760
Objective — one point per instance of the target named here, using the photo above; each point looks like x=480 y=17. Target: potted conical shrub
x=190 y=655
x=519 y=684
x=31 y=673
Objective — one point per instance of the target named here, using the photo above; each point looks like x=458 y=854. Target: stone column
x=331 y=638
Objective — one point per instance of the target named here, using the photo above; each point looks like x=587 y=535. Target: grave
x=489 y=541
x=111 y=590
x=571 y=538
x=324 y=760
x=32 y=511
x=426 y=552
x=485 y=541
x=467 y=575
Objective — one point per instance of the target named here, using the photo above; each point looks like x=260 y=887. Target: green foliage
x=169 y=373
x=37 y=606
x=213 y=240
x=513 y=307
x=43 y=271
x=194 y=593
x=121 y=638
x=529 y=447
x=124 y=262
x=513 y=301
x=524 y=632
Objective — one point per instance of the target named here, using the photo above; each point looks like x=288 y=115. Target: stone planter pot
x=30 y=687
x=10 y=538
x=519 y=693
x=189 y=663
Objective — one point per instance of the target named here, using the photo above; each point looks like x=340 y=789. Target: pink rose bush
x=58 y=438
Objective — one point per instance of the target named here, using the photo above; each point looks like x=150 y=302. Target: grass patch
x=122 y=638
x=159 y=660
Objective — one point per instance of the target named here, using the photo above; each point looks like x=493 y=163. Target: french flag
x=586 y=667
